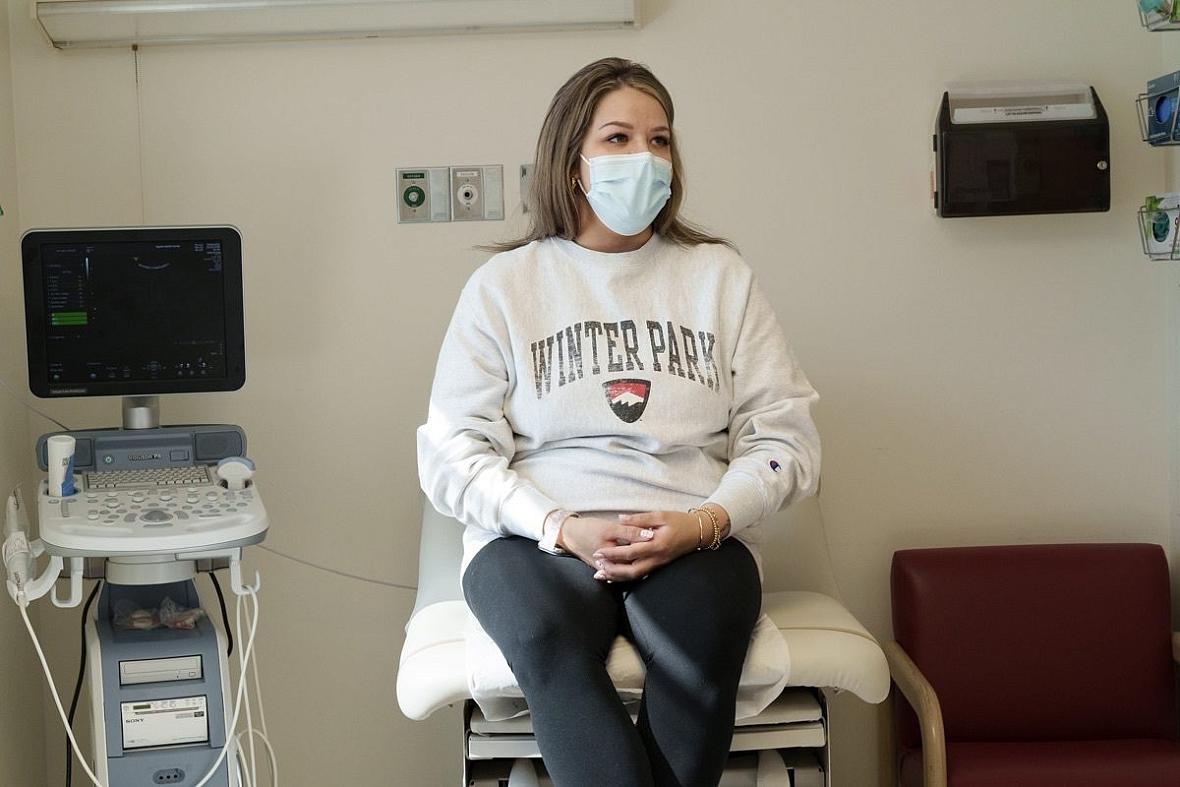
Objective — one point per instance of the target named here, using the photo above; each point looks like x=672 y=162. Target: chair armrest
x=1176 y=646
x=924 y=701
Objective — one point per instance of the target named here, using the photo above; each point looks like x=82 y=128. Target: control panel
x=150 y=449
x=149 y=519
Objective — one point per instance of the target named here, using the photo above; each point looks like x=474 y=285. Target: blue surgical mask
x=628 y=191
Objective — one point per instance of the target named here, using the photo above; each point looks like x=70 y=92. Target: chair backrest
x=794 y=554
x=1038 y=642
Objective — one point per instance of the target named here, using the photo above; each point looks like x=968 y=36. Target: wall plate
x=526 y=186
x=423 y=195
x=477 y=193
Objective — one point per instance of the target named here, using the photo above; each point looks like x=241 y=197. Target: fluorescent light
x=116 y=23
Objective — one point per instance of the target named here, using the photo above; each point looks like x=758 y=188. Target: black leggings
x=691 y=622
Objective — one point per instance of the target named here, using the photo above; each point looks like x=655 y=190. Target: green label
x=68 y=318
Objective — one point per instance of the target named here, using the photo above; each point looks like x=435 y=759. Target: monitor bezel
x=35 y=322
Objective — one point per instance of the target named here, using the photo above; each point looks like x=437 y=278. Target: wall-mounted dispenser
x=1016 y=148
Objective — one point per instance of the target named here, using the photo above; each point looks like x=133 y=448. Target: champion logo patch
x=627 y=398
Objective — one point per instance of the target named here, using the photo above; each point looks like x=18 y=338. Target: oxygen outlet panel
x=423 y=195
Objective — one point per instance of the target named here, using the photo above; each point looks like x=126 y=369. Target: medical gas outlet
x=477 y=193
x=423 y=195
x=434 y=194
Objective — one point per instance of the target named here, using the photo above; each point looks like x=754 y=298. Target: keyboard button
x=148 y=479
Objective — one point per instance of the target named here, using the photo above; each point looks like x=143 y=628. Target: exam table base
x=785 y=746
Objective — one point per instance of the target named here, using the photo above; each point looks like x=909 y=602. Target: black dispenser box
x=1025 y=163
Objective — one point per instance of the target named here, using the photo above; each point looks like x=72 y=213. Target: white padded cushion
x=494 y=687
x=433 y=669
x=828 y=648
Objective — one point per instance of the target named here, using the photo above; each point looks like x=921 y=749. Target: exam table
x=788 y=744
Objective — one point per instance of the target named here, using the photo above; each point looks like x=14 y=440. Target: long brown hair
x=553 y=204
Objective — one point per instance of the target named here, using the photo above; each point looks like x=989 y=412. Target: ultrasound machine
x=139 y=313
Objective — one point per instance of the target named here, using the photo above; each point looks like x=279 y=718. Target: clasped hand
x=634 y=545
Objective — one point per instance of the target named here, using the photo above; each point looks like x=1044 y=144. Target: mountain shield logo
x=627 y=398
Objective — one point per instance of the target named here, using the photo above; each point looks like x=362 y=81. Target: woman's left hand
x=676 y=533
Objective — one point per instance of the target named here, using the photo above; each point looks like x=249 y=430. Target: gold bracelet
x=716 y=544
x=701 y=528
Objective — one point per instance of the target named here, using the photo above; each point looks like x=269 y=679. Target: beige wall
x=22 y=746
x=983 y=381
x=1170 y=61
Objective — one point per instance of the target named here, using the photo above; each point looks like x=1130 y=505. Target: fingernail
x=624 y=517
x=600 y=575
x=645 y=533
x=597 y=555
x=599 y=563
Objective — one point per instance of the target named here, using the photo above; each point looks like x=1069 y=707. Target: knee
x=711 y=654
x=708 y=669
x=542 y=642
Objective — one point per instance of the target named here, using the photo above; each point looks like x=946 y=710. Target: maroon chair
x=1034 y=666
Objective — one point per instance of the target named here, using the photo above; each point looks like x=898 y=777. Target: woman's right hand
x=583 y=536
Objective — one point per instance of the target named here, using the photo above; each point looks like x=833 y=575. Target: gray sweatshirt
x=656 y=379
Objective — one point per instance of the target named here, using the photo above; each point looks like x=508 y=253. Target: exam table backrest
x=794 y=554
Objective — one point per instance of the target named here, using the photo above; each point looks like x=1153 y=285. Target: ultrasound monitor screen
x=143 y=311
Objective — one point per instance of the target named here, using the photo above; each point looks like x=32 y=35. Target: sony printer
x=1003 y=149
